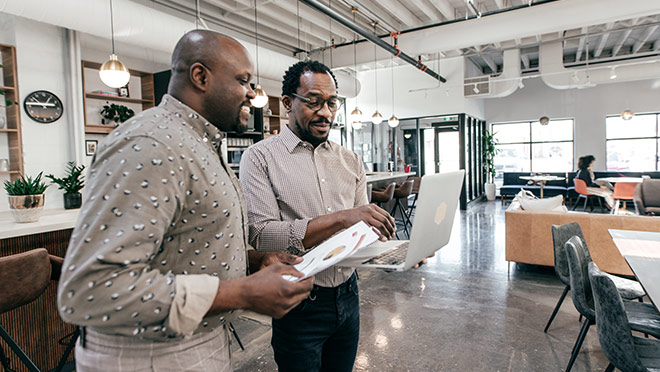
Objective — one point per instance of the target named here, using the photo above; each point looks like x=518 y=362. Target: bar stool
x=417 y=181
x=23 y=278
x=402 y=193
x=383 y=196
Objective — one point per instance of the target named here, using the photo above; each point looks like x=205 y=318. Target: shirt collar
x=208 y=132
x=291 y=140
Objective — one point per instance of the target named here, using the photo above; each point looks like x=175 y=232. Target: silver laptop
x=434 y=219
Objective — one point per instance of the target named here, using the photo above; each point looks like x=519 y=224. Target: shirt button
x=322 y=179
x=329 y=209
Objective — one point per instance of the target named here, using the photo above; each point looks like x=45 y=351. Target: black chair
x=402 y=193
x=417 y=182
x=629 y=289
x=23 y=278
x=642 y=317
x=625 y=351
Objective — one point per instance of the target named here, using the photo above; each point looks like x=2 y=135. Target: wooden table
x=541 y=180
x=641 y=249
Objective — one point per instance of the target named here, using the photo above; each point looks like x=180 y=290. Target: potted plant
x=26 y=198
x=115 y=113
x=71 y=184
x=489 y=164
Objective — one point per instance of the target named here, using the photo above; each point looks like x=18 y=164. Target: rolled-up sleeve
x=267 y=231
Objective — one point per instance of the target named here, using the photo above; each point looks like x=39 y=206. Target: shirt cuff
x=193 y=299
x=297 y=234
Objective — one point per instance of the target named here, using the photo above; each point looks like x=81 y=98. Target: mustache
x=322 y=121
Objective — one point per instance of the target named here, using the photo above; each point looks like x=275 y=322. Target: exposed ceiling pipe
x=555 y=75
x=371 y=37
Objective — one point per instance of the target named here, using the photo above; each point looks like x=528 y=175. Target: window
x=632 y=145
x=528 y=146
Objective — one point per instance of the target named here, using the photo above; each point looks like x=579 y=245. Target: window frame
x=656 y=138
x=531 y=142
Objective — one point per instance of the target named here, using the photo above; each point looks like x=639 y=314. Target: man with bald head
x=157 y=262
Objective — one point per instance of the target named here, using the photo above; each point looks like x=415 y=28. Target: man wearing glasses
x=301 y=189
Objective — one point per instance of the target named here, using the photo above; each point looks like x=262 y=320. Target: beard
x=306 y=133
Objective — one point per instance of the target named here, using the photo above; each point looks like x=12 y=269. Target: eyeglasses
x=316 y=103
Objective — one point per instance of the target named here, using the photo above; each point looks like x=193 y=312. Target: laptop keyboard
x=395 y=256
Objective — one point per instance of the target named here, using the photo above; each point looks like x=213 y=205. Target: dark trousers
x=320 y=334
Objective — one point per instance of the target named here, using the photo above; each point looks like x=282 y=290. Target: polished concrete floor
x=464 y=311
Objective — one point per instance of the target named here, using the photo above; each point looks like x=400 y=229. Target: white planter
x=490 y=191
x=26 y=208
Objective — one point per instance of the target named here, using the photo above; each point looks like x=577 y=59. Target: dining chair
x=629 y=289
x=641 y=317
x=383 y=196
x=23 y=278
x=417 y=182
x=625 y=351
x=623 y=191
x=581 y=189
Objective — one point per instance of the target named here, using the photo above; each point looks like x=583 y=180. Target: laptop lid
x=434 y=215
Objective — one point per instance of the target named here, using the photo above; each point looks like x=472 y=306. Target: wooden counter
x=37 y=327
x=382 y=179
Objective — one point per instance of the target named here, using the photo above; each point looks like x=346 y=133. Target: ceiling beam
x=400 y=12
x=603 y=40
x=445 y=8
x=310 y=15
x=500 y=4
x=373 y=11
x=644 y=38
x=578 y=54
x=431 y=13
x=490 y=62
x=621 y=41
x=525 y=60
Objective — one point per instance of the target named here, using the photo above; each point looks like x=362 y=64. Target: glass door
x=448 y=149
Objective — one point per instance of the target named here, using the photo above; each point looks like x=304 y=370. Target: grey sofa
x=647 y=197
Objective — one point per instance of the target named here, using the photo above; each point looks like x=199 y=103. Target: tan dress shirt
x=162 y=223
x=287 y=182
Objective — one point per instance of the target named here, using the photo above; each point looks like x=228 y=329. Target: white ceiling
x=289 y=26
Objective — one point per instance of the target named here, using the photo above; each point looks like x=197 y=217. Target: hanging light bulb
x=261 y=98
x=627 y=115
x=356 y=118
x=377 y=118
x=544 y=120
x=356 y=114
x=393 y=122
x=113 y=73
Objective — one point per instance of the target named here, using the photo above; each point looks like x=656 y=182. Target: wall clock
x=43 y=106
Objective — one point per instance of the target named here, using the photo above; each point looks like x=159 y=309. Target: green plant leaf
x=73 y=182
x=26 y=186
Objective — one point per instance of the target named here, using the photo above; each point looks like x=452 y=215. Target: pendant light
x=393 y=122
x=356 y=114
x=376 y=118
x=627 y=115
x=261 y=98
x=113 y=73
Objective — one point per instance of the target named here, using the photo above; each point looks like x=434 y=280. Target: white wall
x=588 y=107
x=439 y=99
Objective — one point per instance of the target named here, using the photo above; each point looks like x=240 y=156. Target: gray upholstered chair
x=647 y=197
x=629 y=289
x=641 y=317
x=626 y=352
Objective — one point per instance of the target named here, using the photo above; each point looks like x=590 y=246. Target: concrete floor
x=461 y=312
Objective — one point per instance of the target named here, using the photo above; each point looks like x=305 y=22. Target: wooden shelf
x=10 y=172
x=98 y=128
x=6 y=88
x=9 y=130
x=119 y=99
x=13 y=136
x=277 y=116
x=237 y=148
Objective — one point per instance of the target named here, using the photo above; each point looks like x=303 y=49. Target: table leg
x=542 y=184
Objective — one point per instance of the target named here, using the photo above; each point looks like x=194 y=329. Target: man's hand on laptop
x=423 y=262
x=373 y=216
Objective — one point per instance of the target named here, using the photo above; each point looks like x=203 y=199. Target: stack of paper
x=337 y=248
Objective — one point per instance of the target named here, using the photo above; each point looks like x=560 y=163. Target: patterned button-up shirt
x=287 y=182
x=162 y=223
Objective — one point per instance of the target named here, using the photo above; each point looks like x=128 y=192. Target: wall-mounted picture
x=90 y=147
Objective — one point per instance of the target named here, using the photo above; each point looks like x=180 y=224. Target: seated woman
x=585 y=173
